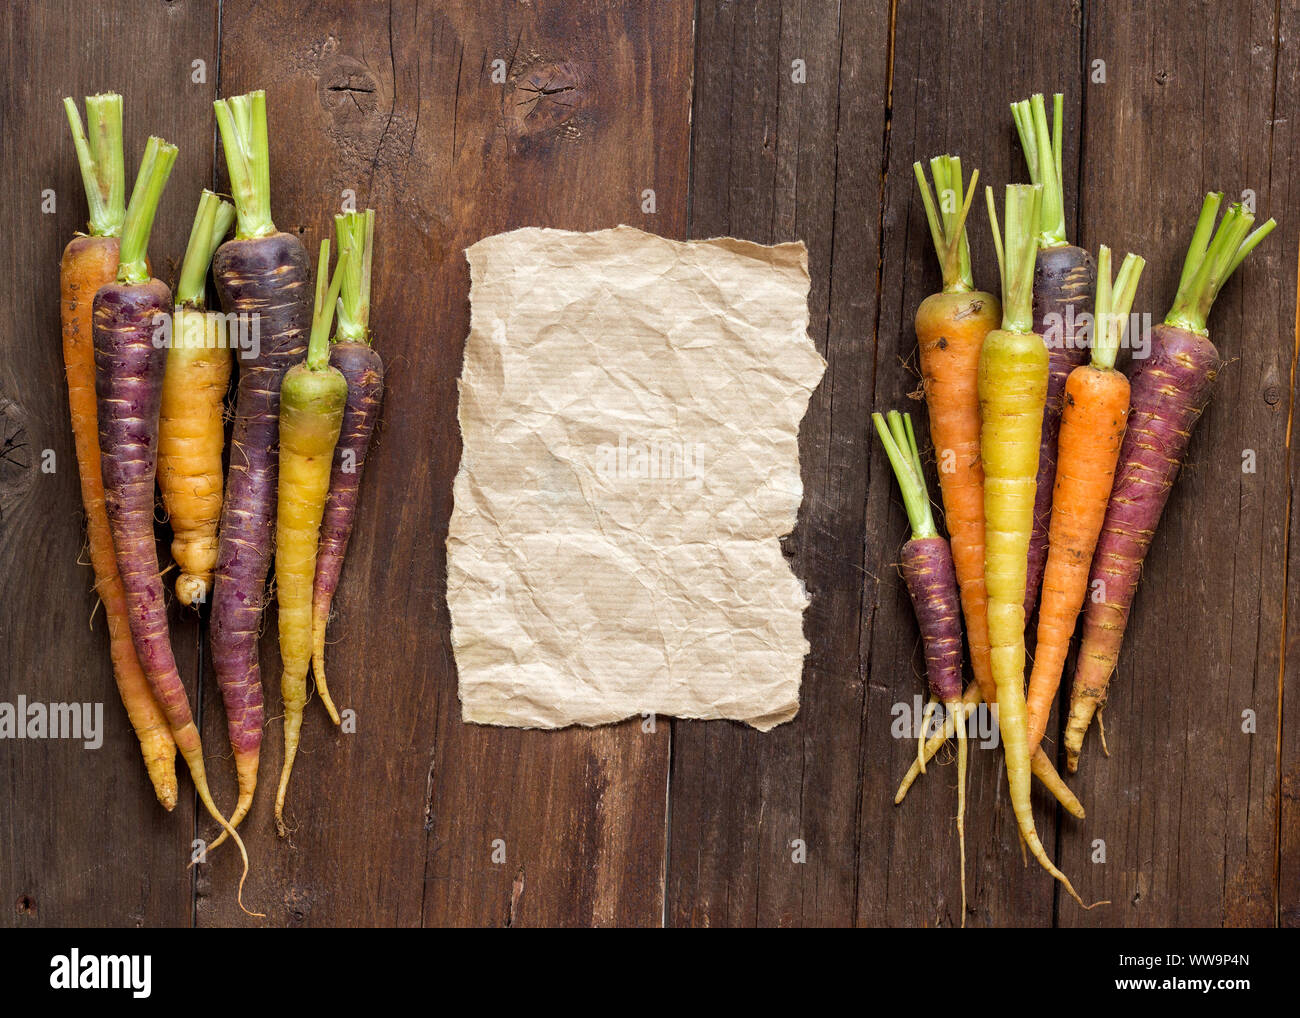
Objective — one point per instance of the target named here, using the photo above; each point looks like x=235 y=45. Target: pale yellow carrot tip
x=925 y=727
x=953 y=710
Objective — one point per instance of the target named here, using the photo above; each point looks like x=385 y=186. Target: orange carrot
x=88 y=263
x=950 y=330
x=1092 y=432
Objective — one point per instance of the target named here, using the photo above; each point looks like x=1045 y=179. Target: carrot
x=932 y=585
x=129 y=368
x=1012 y=389
x=312 y=398
x=362 y=367
x=89 y=262
x=1064 y=278
x=1170 y=388
x=262 y=273
x=950 y=330
x=191 y=429
x=1092 y=428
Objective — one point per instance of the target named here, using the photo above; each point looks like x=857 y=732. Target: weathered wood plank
x=946 y=98
x=1186 y=803
x=84 y=842
x=396 y=824
x=778 y=160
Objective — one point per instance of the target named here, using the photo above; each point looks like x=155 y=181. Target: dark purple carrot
x=1065 y=278
x=352 y=354
x=932 y=585
x=1170 y=388
x=264 y=277
x=129 y=364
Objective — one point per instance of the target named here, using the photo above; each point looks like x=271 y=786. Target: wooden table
x=768 y=121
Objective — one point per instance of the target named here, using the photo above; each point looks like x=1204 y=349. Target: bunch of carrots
x=1054 y=466
x=148 y=375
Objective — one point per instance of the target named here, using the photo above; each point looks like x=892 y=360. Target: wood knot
x=17 y=458
x=548 y=99
x=1272 y=394
x=348 y=91
x=1163 y=76
x=26 y=905
x=298 y=904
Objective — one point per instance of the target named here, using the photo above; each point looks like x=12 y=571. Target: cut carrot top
x=242 y=122
x=1042 y=147
x=899 y=441
x=99 y=155
x=356 y=231
x=1210 y=262
x=948 y=220
x=1114 y=301
x=155 y=168
x=1016 y=257
x=211 y=224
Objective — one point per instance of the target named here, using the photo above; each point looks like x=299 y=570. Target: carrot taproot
x=312 y=399
x=362 y=367
x=950 y=330
x=129 y=367
x=931 y=582
x=1012 y=389
x=1039 y=764
x=88 y=263
x=1064 y=278
x=1092 y=430
x=262 y=277
x=1169 y=390
x=191 y=427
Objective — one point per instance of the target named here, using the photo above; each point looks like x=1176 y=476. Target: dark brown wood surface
x=417 y=819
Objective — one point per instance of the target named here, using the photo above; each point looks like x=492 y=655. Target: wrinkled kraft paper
x=630 y=407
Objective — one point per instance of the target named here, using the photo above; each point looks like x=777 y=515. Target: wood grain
x=84 y=842
x=456 y=120
x=777 y=160
x=398 y=824
x=1186 y=803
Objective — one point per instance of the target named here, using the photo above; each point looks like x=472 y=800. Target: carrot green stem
x=242 y=122
x=212 y=222
x=327 y=294
x=1042 y=148
x=900 y=446
x=948 y=220
x=1016 y=257
x=99 y=155
x=1212 y=257
x=1114 y=301
x=155 y=168
x=356 y=235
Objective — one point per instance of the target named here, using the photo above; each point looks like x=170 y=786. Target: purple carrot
x=1170 y=388
x=264 y=277
x=352 y=354
x=932 y=585
x=1065 y=278
x=129 y=367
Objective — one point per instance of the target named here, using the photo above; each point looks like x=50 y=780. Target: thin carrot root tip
x=1101 y=730
x=926 y=718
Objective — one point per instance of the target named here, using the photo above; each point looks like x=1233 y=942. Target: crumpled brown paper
x=630 y=407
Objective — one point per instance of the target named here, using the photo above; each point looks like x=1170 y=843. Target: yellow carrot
x=312 y=399
x=1013 y=391
x=191 y=428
